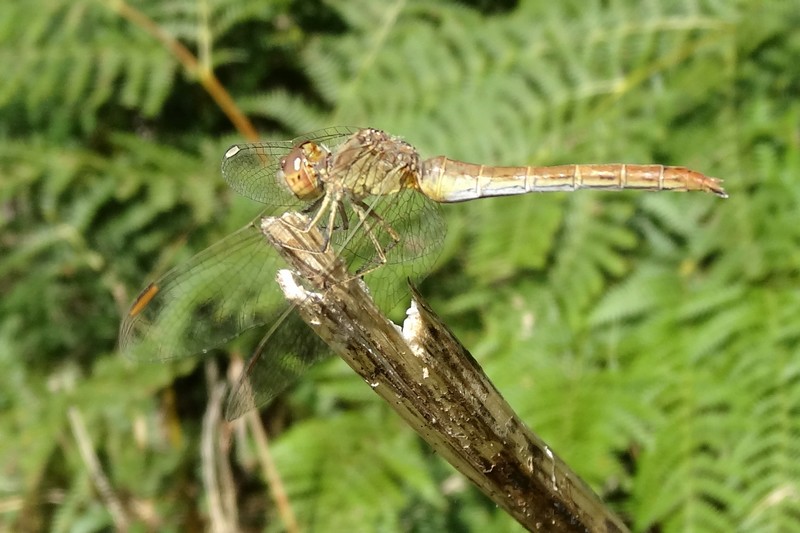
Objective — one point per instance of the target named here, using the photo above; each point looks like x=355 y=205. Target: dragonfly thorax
x=372 y=162
x=299 y=170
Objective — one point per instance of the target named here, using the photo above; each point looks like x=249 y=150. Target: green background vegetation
x=650 y=339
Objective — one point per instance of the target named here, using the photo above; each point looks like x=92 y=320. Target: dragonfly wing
x=203 y=303
x=251 y=169
x=285 y=353
x=291 y=347
x=417 y=221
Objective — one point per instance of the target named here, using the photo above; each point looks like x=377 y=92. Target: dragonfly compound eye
x=299 y=173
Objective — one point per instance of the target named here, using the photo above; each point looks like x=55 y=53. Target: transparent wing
x=251 y=169
x=418 y=222
x=288 y=349
x=203 y=303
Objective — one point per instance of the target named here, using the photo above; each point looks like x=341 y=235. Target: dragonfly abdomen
x=448 y=180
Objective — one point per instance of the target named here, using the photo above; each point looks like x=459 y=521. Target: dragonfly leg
x=385 y=225
x=331 y=227
x=322 y=205
x=343 y=215
x=326 y=235
x=313 y=206
x=364 y=211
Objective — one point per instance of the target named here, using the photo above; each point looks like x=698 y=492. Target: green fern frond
x=390 y=477
x=295 y=113
x=69 y=66
x=650 y=338
x=524 y=239
x=541 y=87
x=768 y=375
x=593 y=248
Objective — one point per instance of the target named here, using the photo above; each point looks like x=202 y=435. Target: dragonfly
x=376 y=203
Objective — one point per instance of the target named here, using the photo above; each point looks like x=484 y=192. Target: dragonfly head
x=300 y=170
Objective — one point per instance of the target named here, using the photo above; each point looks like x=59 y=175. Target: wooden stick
x=438 y=388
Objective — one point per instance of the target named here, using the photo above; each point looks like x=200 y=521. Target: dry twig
x=437 y=387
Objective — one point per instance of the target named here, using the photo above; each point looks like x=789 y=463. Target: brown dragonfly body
x=448 y=180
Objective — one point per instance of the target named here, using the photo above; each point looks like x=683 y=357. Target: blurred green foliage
x=651 y=339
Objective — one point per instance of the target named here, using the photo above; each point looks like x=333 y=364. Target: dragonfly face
x=300 y=170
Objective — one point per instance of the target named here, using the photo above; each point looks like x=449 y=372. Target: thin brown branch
x=201 y=71
x=223 y=515
x=227 y=485
x=271 y=473
x=99 y=479
x=433 y=382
